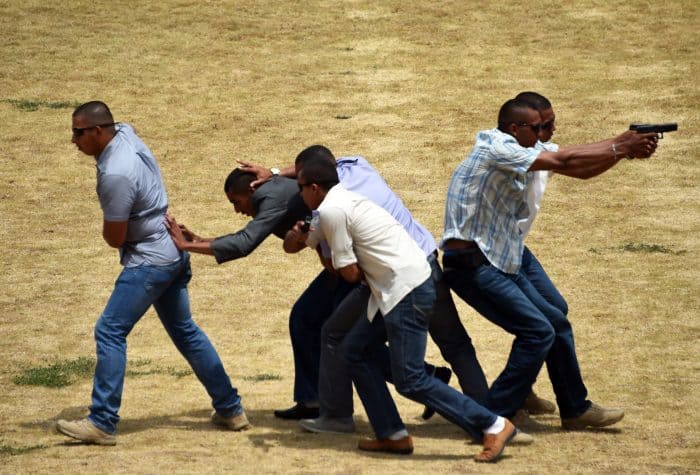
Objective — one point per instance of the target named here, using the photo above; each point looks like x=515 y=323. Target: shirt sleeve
x=117 y=194
x=511 y=156
x=334 y=226
x=245 y=241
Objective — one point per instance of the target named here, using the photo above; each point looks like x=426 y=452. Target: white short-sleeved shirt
x=360 y=232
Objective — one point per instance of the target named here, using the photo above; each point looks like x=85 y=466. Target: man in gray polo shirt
x=134 y=203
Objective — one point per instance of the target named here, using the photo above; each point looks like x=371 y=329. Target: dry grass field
x=407 y=84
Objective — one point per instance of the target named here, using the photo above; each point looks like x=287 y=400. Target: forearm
x=597 y=157
x=199 y=247
x=352 y=273
x=289 y=172
x=291 y=244
x=585 y=169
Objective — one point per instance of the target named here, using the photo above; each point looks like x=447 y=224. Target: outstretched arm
x=186 y=240
x=588 y=160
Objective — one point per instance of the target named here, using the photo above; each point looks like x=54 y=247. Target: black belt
x=467 y=258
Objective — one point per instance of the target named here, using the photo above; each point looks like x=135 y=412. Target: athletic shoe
x=237 y=422
x=332 y=425
x=85 y=431
x=595 y=416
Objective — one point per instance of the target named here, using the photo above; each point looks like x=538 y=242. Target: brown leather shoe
x=495 y=443
x=403 y=445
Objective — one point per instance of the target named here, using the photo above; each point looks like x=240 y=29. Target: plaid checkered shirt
x=486 y=198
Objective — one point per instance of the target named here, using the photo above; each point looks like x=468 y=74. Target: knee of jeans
x=108 y=330
x=411 y=384
x=562 y=325
x=542 y=336
x=563 y=307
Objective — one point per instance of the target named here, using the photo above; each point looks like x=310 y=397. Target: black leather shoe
x=298 y=411
x=443 y=374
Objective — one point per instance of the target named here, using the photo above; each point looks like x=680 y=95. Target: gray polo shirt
x=130 y=188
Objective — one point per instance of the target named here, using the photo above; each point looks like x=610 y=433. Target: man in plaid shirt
x=483 y=248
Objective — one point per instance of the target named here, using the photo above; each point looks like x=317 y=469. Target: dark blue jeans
x=539 y=279
x=445 y=328
x=136 y=289
x=448 y=333
x=542 y=333
x=406 y=328
x=309 y=313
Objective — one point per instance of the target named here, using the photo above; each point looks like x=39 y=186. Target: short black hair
x=313 y=152
x=320 y=171
x=511 y=113
x=535 y=100
x=238 y=181
x=95 y=112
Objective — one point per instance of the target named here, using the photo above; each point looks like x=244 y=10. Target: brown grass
x=209 y=82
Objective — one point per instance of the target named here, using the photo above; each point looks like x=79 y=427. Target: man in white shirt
x=366 y=243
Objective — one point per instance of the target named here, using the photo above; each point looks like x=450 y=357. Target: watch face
x=275 y=171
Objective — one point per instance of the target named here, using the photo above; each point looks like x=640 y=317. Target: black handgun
x=307 y=225
x=658 y=128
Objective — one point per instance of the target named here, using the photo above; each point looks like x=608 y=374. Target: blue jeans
x=445 y=328
x=406 y=327
x=539 y=279
x=309 y=313
x=450 y=336
x=136 y=289
x=542 y=333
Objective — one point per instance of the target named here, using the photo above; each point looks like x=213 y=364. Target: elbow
x=114 y=243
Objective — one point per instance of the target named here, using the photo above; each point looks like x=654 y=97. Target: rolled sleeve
x=333 y=223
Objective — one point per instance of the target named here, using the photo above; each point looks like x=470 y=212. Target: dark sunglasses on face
x=534 y=127
x=547 y=125
x=78 y=131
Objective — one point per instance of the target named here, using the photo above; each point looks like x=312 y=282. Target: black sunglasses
x=547 y=125
x=534 y=127
x=78 y=131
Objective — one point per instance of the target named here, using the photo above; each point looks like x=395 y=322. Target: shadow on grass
x=269 y=432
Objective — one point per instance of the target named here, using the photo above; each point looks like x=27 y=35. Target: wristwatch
x=275 y=171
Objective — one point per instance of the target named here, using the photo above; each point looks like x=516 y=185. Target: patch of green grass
x=638 y=247
x=649 y=248
x=57 y=375
x=10 y=450
x=27 y=105
x=64 y=373
x=168 y=370
x=263 y=377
